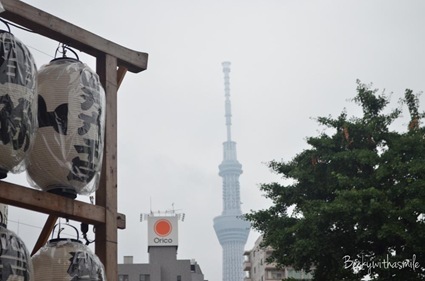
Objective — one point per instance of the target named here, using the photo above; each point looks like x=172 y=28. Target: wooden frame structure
x=112 y=62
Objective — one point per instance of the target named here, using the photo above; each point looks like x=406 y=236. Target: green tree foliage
x=357 y=194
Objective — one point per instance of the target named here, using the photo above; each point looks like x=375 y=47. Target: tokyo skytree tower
x=232 y=232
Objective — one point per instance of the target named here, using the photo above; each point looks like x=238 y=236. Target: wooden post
x=106 y=195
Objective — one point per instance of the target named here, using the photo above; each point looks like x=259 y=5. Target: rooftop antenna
x=172 y=212
x=144 y=216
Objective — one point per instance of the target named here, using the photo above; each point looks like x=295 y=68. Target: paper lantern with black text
x=15 y=261
x=18 y=103
x=67 y=259
x=67 y=154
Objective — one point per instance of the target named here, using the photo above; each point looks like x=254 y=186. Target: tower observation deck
x=232 y=232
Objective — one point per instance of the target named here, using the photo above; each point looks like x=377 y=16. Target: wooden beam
x=57 y=29
x=48 y=203
x=45 y=233
x=106 y=195
x=120 y=75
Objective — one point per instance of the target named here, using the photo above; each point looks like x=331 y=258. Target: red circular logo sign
x=162 y=227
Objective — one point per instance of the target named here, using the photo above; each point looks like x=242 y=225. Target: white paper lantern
x=68 y=147
x=15 y=261
x=67 y=259
x=18 y=103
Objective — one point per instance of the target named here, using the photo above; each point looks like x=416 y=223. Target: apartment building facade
x=257 y=269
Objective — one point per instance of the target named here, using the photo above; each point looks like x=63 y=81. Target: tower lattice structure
x=232 y=232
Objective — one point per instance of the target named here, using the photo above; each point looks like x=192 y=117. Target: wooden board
x=48 y=203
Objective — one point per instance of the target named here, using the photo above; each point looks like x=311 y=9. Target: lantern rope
x=44 y=53
x=7 y=23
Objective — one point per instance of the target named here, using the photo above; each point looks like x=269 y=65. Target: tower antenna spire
x=228 y=108
x=232 y=232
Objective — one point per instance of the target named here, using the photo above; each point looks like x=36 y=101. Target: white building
x=257 y=269
x=162 y=248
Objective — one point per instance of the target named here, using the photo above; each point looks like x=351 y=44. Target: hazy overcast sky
x=291 y=61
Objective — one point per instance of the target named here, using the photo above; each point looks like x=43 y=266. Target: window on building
x=179 y=278
x=123 y=277
x=276 y=275
x=192 y=268
x=144 y=277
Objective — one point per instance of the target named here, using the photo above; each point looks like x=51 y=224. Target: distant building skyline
x=258 y=269
x=232 y=232
x=162 y=248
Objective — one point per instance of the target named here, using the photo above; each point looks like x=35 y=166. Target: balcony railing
x=247 y=265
